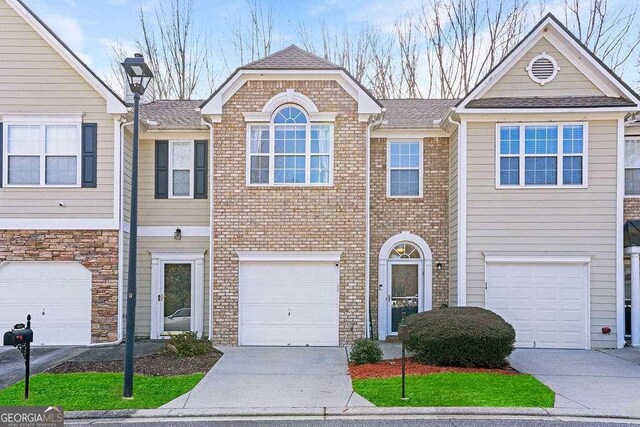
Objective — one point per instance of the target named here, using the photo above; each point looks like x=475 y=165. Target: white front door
x=545 y=302
x=405 y=291
x=57 y=295
x=177 y=294
x=289 y=303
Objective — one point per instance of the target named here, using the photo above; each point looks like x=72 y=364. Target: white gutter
x=210 y=126
x=462 y=211
x=120 y=335
x=367 y=251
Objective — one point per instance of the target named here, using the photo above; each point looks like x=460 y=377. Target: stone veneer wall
x=97 y=250
x=425 y=217
x=289 y=218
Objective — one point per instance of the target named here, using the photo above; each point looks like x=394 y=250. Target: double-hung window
x=404 y=169
x=181 y=169
x=42 y=154
x=632 y=167
x=541 y=155
x=289 y=150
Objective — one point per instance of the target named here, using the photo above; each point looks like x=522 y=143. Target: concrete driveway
x=585 y=379
x=260 y=377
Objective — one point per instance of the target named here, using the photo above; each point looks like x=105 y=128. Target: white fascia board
x=409 y=133
x=366 y=104
x=114 y=105
x=59 y=224
x=287 y=256
x=629 y=109
x=535 y=259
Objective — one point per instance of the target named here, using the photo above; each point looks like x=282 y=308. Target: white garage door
x=545 y=302
x=289 y=303
x=56 y=294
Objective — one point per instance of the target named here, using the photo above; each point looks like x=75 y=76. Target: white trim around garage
x=620 y=176
x=288 y=256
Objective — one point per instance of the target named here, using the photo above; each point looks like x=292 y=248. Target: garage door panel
x=545 y=302
x=289 y=303
x=56 y=294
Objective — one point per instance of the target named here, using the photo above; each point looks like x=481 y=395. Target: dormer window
x=290 y=150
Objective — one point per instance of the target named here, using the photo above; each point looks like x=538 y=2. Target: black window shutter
x=200 y=170
x=162 y=169
x=89 y=172
x=1 y=156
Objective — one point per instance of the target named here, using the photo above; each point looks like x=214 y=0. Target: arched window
x=290 y=150
x=405 y=250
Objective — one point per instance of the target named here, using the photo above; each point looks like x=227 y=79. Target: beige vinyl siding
x=168 y=212
x=453 y=219
x=126 y=173
x=546 y=221
x=146 y=245
x=34 y=78
x=568 y=82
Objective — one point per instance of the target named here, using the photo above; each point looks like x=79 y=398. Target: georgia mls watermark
x=31 y=416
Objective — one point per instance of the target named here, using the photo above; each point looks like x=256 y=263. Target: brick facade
x=631 y=208
x=425 y=217
x=294 y=218
x=96 y=250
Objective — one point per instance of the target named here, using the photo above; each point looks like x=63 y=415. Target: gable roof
x=515 y=53
x=415 y=113
x=291 y=59
x=115 y=104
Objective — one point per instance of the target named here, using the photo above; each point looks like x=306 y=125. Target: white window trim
x=630 y=196
x=420 y=173
x=272 y=153
x=191 y=169
x=42 y=122
x=559 y=155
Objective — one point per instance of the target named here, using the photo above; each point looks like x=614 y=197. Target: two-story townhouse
x=293 y=208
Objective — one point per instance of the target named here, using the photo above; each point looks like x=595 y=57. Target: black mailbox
x=16 y=337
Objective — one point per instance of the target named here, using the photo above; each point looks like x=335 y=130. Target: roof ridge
x=289 y=48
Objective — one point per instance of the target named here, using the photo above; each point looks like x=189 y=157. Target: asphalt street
x=354 y=423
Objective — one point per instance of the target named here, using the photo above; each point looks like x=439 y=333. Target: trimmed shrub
x=460 y=336
x=188 y=344
x=365 y=351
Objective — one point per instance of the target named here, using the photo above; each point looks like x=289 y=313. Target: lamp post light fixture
x=139 y=76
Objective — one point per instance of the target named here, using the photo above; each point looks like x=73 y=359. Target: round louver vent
x=543 y=68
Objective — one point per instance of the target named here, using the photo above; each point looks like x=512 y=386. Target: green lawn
x=84 y=391
x=457 y=389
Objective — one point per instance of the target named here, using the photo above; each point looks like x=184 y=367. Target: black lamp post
x=139 y=76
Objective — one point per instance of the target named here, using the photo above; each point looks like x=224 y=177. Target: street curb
x=332 y=412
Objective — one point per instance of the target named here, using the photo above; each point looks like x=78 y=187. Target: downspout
x=367 y=262
x=120 y=335
x=462 y=238
x=210 y=126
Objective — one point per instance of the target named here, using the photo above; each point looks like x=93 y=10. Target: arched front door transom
x=405 y=280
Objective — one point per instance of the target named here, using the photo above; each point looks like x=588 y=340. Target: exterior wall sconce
x=439 y=266
x=177 y=235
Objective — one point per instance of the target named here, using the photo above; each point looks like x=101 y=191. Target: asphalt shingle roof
x=415 y=113
x=550 y=102
x=292 y=58
x=172 y=114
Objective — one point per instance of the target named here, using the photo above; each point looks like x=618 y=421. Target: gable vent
x=542 y=68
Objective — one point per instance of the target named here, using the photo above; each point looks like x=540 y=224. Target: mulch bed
x=159 y=364
x=393 y=368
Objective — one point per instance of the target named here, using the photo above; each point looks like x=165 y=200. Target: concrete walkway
x=585 y=379
x=261 y=377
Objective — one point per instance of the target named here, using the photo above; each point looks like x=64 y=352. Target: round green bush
x=460 y=336
x=365 y=351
